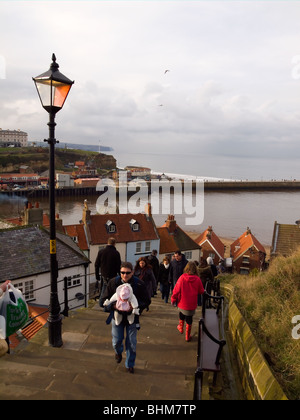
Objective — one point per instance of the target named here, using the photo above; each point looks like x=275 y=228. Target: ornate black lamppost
x=53 y=88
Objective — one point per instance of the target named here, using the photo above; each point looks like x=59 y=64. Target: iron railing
x=208 y=301
x=66 y=301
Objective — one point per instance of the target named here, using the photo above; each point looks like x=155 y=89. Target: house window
x=134 y=225
x=110 y=227
x=188 y=255
x=74 y=280
x=26 y=287
x=138 y=247
x=148 y=246
x=246 y=259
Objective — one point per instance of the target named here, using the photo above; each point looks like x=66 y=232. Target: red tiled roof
x=19 y=220
x=124 y=233
x=167 y=242
x=77 y=231
x=243 y=243
x=215 y=242
x=40 y=316
x=171 y=241
x=18 y=175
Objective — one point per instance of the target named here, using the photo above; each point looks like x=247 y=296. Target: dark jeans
x=165 y=291
x=186 y=318
x=103 y=287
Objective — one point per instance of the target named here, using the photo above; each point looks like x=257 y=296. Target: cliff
x=37 y=158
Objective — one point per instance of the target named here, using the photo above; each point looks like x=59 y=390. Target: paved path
x=85 y=368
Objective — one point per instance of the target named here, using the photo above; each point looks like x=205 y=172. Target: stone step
x=85 y=368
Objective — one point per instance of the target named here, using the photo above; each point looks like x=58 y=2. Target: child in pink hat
x=125 y=302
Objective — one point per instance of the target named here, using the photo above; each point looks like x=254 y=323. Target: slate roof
x=24 y=251
x=286 y=239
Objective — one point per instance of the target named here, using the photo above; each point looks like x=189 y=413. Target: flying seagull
x=166 y=71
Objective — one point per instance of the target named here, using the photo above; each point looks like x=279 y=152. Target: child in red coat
x=185 y=296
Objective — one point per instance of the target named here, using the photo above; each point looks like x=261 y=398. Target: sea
x=229 y=213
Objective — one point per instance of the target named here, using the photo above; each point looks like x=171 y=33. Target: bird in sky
x=166 y=71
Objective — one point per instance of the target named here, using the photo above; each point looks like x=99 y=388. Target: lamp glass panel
x=52 y=93
x=59 y=94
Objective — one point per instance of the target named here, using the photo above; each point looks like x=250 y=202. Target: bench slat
x=212 y=322
x=210 y=354
x=211 y=348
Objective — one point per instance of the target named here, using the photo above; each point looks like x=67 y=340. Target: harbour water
x=229 y=213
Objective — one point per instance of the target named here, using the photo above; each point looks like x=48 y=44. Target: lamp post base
x=54 y=332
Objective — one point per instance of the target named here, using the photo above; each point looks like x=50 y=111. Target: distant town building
x=25 y=179
x=15 y=138
x=86 y=182
x=64 y=180
x=286 y=239
x=138 y=171
x=247 y=253
x=211 y=245
x=173 y=238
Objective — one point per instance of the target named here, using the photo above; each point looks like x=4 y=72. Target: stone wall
x=256 y=376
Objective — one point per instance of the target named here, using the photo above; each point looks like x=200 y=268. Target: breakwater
x=252 y=186
x=221 y=186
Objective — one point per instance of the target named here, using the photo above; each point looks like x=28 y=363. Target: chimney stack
x=148 y=210
x=86 y=214
x=58 y=223
x=209 y=231
x=33 y=216
x=171 y=223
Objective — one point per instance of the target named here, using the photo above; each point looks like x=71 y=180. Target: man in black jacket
x=118 y=331
x=108 y=261
x=177 y=266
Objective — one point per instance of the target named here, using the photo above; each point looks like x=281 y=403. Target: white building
x=13 y=138
x=25 y=260
x=64 y=180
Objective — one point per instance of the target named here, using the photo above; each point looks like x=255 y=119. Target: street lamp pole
x=53 y=88
x=54 y=319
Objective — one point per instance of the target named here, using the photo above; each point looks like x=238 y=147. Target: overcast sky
x=233 y=85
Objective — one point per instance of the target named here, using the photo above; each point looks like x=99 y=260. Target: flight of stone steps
x=85 y=368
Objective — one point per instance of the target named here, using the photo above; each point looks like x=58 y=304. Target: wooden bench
x=210 y=341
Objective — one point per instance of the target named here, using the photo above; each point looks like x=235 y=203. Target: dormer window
x=110 y=227
x=135 y=226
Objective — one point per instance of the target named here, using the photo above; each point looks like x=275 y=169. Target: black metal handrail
x=66 y=301
x=220 y=341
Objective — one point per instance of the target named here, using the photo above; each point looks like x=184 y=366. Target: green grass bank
x=268 y=302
